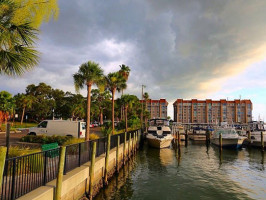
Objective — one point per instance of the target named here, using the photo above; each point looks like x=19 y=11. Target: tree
x=124 y=71
x=35 y=11
x=102 y=101
x=19 y=20
x=128 y=101
x=24 y=101
x=146 y=113
x=114 y=81
x=44 y=102
x=146 y=98
x=89 y=74
x=6 y=106
x=17 y=54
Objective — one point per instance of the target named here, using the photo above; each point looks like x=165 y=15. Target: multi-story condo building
x=212 y=111
x=157 y=108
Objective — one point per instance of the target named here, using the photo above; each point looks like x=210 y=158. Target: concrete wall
x=76 y=182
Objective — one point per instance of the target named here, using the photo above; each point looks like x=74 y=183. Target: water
x=197 y=172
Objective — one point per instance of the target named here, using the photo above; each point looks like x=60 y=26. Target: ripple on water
x=196 y=173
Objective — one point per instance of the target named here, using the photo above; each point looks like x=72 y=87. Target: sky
x=177 y=48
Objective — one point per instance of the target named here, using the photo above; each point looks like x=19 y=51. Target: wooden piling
x=124 y=149
x=207 y=136
x=117 y=153
x=129 y=141
x=262 y=141
x=93 y=155
x=59 y=179
x=186 y=135
x=178 y=138
x=134 y=143
x=3 y=151
x=221 y=141
x=107 y=159
x=249 y=135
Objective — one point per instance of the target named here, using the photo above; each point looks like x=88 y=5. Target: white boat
x=159 y=133
x=256 y=128
x=255 y=138
x=230 y=138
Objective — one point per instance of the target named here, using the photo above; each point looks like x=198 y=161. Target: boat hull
x=197 y=137
x=159 y=143
x=233 y=143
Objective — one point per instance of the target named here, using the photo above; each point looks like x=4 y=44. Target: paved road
x=14 y=138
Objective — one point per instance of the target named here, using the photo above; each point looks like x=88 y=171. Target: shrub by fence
x=26 y=173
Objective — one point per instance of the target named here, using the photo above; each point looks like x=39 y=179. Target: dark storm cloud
x=173 y=47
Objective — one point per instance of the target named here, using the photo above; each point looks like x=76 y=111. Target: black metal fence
x=26 y=173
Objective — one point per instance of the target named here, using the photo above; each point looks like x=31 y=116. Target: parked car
x=91 y=125
x=59 y=127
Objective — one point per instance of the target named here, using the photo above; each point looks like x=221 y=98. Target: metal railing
x=26 y=173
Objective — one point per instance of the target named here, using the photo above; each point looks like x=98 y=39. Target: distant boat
x=256 y=128
x=159 y=133
x=230 y=138
x=199 y=134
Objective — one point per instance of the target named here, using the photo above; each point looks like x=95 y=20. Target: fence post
x=107 y=160
x=13 y=179
x=129 y=141
x=7 y=138
x=79 y=154
x=124 y=149
x=262 y=141
x=3 y=151
x=45 y=168
x=59 y=179
x=92 y=169
x=117 y=153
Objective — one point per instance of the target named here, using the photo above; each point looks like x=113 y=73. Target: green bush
x=43 y=139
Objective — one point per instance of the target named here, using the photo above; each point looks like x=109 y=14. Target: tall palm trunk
x=22 y=117
x=122 y=108
x=101 y=116
x=113 y=111
x=87 y=136
x=126 y=116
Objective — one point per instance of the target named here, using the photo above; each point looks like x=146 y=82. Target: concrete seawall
x=76 y=182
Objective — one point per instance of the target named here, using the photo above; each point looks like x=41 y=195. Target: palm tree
x=89 y=73
x=124 y=71
x=26 y=101
x=114 y=81
x=146 y=98
x=17 y=53
x=128 y=101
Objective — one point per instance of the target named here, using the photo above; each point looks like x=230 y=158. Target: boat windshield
x=226 y=132
x=159 y=122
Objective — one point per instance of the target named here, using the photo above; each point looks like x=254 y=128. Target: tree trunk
x=101 y=116
x=22 y=117
x=87 y=136
x=122 y=108
x=113 y=111
x=126 y=116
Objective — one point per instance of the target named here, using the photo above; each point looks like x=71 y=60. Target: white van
x=60 y=127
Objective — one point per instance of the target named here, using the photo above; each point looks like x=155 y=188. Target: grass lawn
x=16 y=125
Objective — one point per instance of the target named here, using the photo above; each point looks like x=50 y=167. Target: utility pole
x=141 y=116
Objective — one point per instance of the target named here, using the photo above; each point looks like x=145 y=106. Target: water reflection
x=198 y=172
